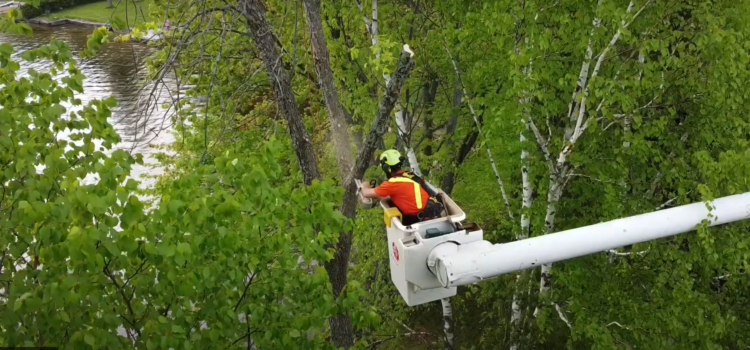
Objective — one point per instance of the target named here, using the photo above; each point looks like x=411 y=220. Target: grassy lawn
x=98 y=12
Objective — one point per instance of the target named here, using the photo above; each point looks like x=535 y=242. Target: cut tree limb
x=410 y=154
x=338 y=267
x=387 y=103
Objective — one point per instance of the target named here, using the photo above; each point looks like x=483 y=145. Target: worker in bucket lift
x=416 y=201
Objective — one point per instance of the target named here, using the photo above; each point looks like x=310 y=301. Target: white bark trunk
x=561 y=313
x=374 y=27
x=580 y=126
x=516 y=314
x=553 y=197
x=364 y=16
x=582 y=108
x=525 y=182
x=556 y=180
x=584 y=73
x=527 y=190
x=448 y=339
x=411 y=155
x=374 y=35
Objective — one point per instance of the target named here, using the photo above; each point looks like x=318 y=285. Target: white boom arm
x=456 y=265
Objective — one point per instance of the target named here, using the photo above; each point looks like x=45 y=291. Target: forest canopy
x=535 y=117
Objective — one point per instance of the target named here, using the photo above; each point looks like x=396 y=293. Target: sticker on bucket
x=395 y=251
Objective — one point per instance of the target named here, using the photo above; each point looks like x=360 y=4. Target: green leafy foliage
x=228 y=255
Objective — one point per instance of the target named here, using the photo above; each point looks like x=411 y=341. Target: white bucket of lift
x=409 y=248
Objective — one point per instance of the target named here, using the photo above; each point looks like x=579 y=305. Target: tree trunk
x=524 y=100
x=342 y=331
x=260 y=31
x=516 y=314
x=110 y=4
x=553 y=197
x=339 y=124
x=449 y=340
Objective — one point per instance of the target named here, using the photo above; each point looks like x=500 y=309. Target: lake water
x=118 y=71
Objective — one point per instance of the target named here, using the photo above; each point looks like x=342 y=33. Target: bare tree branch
x=561 y=313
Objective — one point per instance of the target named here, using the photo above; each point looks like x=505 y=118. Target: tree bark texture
x=259 y=29
x=342 y=330
x=339 y=124
x=516 y=313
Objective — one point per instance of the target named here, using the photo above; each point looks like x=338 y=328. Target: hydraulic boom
x=430 y=259
x=473 y=266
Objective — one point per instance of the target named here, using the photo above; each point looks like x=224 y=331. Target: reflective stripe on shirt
x=417 y=189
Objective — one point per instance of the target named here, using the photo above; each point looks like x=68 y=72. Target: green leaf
x=89 y=339
x=112 y=248
x=184 y=248
x=175 y=205
x=294 y=333
x=24 y=205
x=166 y=249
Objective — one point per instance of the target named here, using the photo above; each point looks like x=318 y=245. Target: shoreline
x=64 y=21
x=78 y=22
x=8 y=5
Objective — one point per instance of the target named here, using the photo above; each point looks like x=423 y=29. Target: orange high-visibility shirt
x=408 y=196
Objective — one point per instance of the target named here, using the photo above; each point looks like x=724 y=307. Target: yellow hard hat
x=391 y=157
